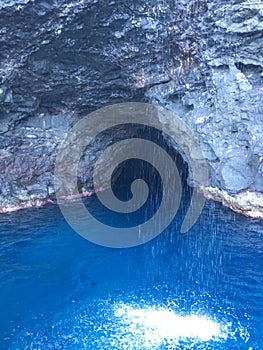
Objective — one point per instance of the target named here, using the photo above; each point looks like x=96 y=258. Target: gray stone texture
x=59 y=60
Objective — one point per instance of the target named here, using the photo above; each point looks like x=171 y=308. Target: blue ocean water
x=199 y=290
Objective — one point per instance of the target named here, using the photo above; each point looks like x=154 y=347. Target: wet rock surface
x=60 y=60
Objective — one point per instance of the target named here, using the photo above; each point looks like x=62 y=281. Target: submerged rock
x=60 y=60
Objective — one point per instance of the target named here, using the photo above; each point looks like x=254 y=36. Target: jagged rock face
x=59 y=60
x=227 y=112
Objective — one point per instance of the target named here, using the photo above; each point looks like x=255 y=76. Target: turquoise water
x=200 y=290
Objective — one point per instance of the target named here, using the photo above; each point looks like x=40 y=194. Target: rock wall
x=59 y=60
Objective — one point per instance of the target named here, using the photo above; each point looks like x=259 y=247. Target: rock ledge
x=246 y=203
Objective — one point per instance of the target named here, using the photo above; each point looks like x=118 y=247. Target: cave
x=131 y=140
x=60 y=61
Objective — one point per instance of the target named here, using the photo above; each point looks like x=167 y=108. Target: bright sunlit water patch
x=154 y=327
x=104 y=324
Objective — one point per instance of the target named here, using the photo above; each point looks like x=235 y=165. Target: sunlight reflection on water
x=155 y=326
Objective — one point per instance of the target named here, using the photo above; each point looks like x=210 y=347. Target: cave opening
x=130 y=170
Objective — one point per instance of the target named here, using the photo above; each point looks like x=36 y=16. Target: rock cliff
x=60 y=60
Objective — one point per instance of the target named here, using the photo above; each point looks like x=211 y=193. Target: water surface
x=200 y=290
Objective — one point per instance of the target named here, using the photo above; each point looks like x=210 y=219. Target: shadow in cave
x=132 y=169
